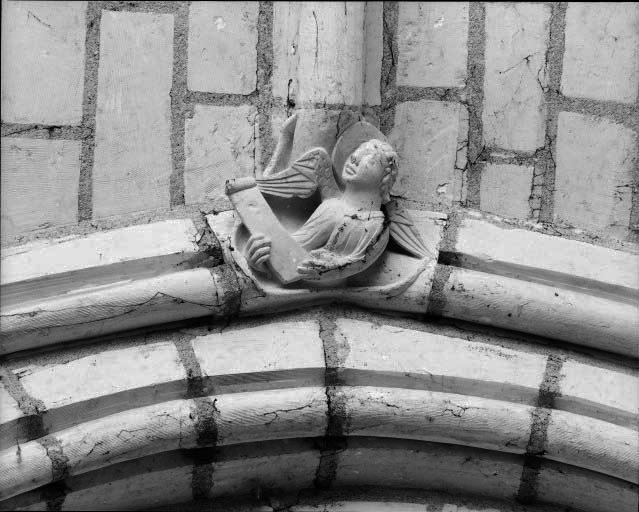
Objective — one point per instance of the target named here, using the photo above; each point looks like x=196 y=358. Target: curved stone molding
x=487 y=273
x=290 y=465
x=268 y=382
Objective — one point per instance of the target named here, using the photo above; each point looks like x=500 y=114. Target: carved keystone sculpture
x=351 y=227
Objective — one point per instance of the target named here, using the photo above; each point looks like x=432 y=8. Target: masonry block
x=272 y=346
x=505 y=190
x=432 y=43
x=596 y=162
x=515 y=75
x=285 y=49
x=43 y=62
x=318 y=51
x=429 y=137
x=223 y=47
x=219 y=145
x=39 y=184
x=611 y=392
x=601 y=57
x=102 y=374
x=132 y=160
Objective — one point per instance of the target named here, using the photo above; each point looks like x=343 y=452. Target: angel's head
x=373 y=165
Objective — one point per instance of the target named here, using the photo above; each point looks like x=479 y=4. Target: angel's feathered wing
x=403 y=231
x=312 y=171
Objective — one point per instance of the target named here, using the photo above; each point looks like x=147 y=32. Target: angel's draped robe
x=341 y=234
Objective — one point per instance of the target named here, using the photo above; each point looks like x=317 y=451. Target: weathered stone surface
x=595 y=166
x=169 y=242
x=286 y=18
x=602 y=386
x=331 y=42
x=95 y=376
x=484 y=242
x=429 y=466
x=223 y=47
x=601 y=58
x=411 y=353
x=427 y=135
x=516 y=42
x=505 y=190
x=347 y=72
x=583 y=490
x=39 y=184
x=132 y=161
x=432 y=42
x=219 y=145
x=268 y=347
x=593 y=444
x=144 y=489
x=43 y=62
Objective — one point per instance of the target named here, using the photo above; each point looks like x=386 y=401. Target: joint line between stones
x=436 y=298
x=33 y=408
x=206 y=418
x=546 y=165
x=89 y=106
x=334 y=440
x=264 y=88
x=475 y=101
x=180 y=110
x=549 y=391
x=388 y=75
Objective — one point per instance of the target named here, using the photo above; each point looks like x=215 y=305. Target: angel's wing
x=309 y=172
x=404 y=233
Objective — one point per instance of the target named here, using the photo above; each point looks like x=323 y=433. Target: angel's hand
x=310 y=269
x=258 y=251
x=321 y=264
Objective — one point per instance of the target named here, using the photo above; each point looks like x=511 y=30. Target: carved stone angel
x=351 y=227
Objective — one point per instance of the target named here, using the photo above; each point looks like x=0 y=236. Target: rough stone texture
x=172 y=240
x=132 y=162
x=39 y=184
x=505 y=190
x=409 y=352
x=9 y=409
x=331 y=64
x=222 y=54
x=42 y=62
x=601 y=386
x=285 y=49
x=268 y=347
x=432 y=42
x=595 y=166
x=94 y=376
x=601 y=60
x=426 y=136
x=220 y=144
x=514 y=108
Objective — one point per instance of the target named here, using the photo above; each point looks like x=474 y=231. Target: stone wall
x=117 y=113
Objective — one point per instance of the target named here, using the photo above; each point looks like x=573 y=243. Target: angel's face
x=364 y=167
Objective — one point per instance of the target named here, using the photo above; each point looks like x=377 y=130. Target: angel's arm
x=325 y=265
x=282 y=152
x=317 y=229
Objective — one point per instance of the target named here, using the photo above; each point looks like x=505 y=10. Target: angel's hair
x=389 y=161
